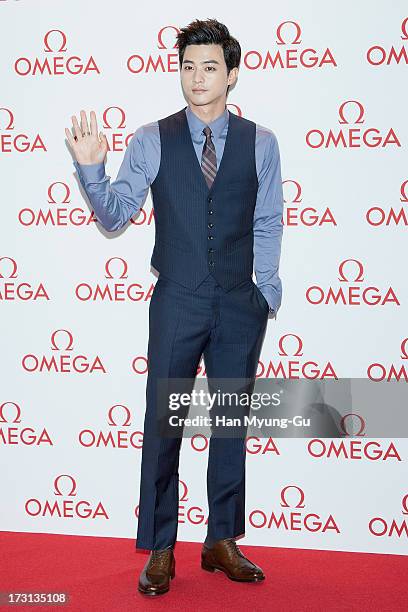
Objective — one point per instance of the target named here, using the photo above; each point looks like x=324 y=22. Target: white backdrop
x=336 y=100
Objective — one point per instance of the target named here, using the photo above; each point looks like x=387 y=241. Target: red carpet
x=101 y=574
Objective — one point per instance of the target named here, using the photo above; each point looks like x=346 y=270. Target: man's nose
x=198 y=78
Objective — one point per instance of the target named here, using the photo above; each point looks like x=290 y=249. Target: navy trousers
x=228 y=329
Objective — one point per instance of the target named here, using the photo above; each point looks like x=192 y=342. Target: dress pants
x=228 y=329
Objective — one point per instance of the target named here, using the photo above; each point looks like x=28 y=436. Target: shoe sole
x=213 y=568
x=154 y=593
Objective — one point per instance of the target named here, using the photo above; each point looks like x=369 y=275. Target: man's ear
x=233 y=75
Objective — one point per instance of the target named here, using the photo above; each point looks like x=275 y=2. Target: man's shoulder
x=266 y=133
x=146 y=133
x=263 y=134
x=151 y=130
x=266 y=139
x=147 y=129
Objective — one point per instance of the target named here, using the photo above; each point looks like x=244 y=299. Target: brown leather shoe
x=226 y=556
x=156 y=574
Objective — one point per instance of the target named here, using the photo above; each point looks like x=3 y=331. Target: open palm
x=87 y=146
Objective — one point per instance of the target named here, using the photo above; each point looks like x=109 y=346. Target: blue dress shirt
x=114 y=204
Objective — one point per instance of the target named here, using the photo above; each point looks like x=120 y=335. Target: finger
x=77 y=129
x=94 y=124
x=104 y=140
x=84 y=123
x=69 y=137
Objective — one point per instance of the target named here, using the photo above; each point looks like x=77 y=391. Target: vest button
x=210 y=237
x=210 y=212
x=209 y=199
x=211 y=225
x=211 y=250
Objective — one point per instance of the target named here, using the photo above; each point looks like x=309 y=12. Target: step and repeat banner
x=331 y=82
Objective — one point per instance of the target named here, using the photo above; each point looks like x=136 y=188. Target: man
x=217 y=194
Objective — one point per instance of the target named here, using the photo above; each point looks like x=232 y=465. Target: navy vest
x=202 y=231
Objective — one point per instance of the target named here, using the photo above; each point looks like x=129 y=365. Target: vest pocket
x=239 y=243
x=239 y=186
x=161 y=242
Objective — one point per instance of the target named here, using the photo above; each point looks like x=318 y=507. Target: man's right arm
x=115 y=203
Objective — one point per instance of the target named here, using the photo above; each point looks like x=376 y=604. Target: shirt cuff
x=267 y=293
x=91 y=173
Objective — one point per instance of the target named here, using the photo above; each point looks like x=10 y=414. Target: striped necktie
x=208 y=158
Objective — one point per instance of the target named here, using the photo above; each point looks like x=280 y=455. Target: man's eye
x=210 y=67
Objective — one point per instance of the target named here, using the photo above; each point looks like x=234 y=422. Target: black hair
x=207 y=32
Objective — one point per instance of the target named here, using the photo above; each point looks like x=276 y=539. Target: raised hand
x=87 y=146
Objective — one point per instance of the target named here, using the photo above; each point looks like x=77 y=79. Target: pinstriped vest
x=202 y=231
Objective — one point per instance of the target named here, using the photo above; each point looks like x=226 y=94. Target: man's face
x=203 y=73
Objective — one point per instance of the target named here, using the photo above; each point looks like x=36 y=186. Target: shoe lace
x=233 y=547
x=160 y=558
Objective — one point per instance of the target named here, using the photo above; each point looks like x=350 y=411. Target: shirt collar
x=196 y=125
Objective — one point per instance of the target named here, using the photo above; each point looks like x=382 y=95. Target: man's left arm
x=268 y=226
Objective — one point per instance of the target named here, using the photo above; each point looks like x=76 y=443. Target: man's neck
x=208 y=113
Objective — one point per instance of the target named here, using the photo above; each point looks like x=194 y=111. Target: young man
x=217 y=194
